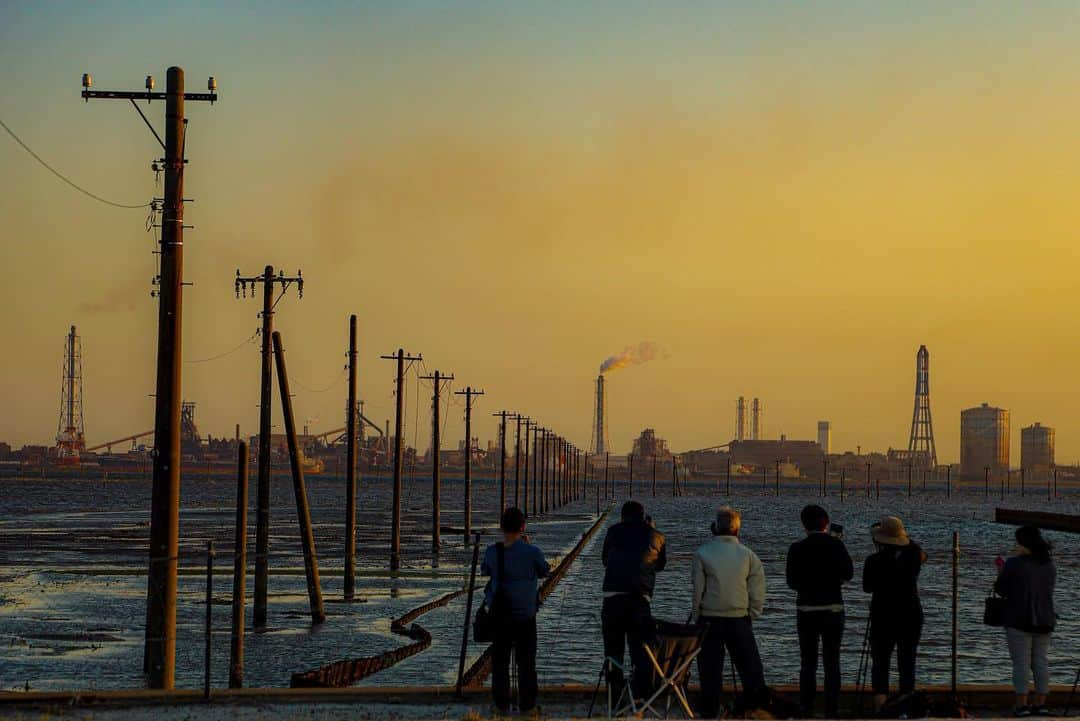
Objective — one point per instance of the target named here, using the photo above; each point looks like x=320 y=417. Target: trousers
x=828 y=628
x=626 y=619
x=899 y=633
x=519 y=637
x=736 y=637
x=1028 y=652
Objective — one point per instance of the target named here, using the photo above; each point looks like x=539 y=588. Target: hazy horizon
x=789 y=200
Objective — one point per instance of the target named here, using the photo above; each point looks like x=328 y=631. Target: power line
x=60 y=175
x=243 y=343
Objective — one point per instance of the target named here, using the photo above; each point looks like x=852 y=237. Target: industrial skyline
x=635 y=195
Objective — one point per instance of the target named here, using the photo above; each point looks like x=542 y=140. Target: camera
x=836 y=531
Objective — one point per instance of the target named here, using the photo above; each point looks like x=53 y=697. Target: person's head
x=814 y=518
x=512 y=524
x=889 y=532
x=728 y=522
x=1032 y=539
x=632 y=511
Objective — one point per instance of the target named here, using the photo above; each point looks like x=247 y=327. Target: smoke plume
x=632 y=355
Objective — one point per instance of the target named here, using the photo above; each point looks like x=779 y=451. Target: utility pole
x=395 y=521
x=159 y=648
x=607 y=467
x=501 y=415
x=530 y=426
x=436 y=457
x=630 y=471
x=525 y=472
x=469 y=394
x=262 y=484
x=654 y=475
x=353 y=413
x=517 y=463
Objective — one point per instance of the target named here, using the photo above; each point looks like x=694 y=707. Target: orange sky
x=789 y=201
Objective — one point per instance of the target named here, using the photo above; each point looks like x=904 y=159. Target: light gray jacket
x=729 y=580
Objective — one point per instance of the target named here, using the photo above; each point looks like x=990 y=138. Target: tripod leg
x=596 y=691
x=1072 y=694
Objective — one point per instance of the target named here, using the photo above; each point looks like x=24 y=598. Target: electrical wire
x=249 y=339
x=321 y=390
x=62 y=177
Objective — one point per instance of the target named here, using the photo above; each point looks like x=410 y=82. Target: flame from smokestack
x=632 y=355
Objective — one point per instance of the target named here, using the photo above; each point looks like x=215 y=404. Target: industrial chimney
x=600 y=433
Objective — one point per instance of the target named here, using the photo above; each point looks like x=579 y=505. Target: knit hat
x=890 y=532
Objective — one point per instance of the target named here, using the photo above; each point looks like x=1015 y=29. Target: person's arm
x=791 y=572
x=697 y=577
x=847 y=566
x=661 y=556
x=607 y=548
x=1003 y=583
x=542 y=567
x=755 y=586
x=488 y=563
x=868 y=575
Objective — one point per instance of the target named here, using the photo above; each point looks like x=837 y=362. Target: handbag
x=487 y=621
x=994 y=612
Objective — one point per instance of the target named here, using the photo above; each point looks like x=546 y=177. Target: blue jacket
x=524 y=565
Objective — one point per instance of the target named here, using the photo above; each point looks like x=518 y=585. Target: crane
x=109 y=444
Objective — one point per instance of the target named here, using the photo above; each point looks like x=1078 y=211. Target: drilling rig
x=70 y=442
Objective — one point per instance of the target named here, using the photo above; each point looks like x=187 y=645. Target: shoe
x=1022 y=711
x=1041 y=711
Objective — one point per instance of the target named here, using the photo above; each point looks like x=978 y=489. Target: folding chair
x=671 y=657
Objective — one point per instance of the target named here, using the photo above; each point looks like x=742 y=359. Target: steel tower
x=69 y=432
x=600 y=442
x=921 y=451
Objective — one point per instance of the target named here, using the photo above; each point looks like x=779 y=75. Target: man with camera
x=817 y=568
x=634 y=551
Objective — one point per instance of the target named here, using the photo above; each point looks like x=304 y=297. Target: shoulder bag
x=487 y=621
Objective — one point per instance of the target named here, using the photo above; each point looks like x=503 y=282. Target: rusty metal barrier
x=481 y=668
x=346 y=672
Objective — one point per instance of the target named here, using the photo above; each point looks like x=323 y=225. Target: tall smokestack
x=740 y=419
x=599 y=440
x=755 y=420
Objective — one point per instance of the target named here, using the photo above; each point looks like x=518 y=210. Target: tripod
x=864 y=670
x=1072 y=694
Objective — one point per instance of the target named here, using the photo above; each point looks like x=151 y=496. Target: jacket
x=633 y=553
x=892 y=576
x=728 y=580
x=817 y=567
x=1028 y=588
x=523 y=564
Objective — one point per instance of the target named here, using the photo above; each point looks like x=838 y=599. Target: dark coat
x=633 y=553
x=817 y=567
x=1028 y=588
x=892 y=576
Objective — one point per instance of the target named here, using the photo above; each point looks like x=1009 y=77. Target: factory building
x=984 y=441
x=805 y=455
x=1036 y=448
x=824 y=436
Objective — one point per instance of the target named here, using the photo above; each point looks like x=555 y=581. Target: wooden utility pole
x=262 y=485
x=436 y=456
x=607 y=468
x=395 y=520
x=525 y=473
x=517 y=463
x=159 y=650
x=630 y=471
x=353 y=413
x=501 y=415
x=469 y=394
x=303 y=512
x=236 y=647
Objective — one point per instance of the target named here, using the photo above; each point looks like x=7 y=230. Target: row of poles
x=872 y=484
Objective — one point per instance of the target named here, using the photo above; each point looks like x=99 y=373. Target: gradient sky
x=790 y=198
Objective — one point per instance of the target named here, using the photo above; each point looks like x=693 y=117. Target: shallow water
x=72 y=580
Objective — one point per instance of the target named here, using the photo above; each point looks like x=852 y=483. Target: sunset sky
x=788 y=198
